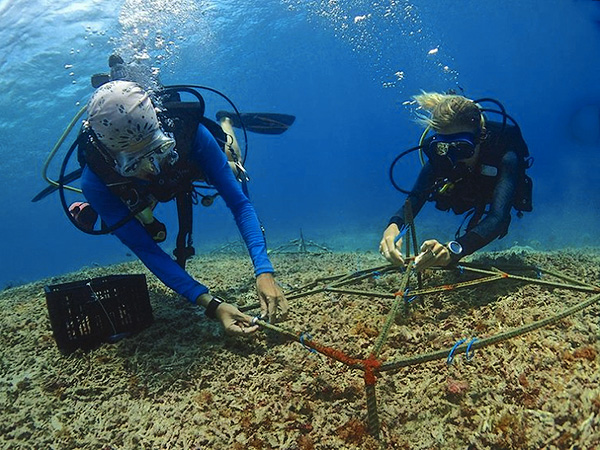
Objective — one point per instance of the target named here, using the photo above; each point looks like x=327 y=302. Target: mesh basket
x=84 y=314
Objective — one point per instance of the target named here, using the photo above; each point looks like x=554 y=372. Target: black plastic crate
x=86 y=313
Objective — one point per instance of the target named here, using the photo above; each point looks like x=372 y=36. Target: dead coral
x=183 y=384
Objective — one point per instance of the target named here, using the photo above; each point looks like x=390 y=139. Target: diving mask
x=455 y=147
x=150 y=161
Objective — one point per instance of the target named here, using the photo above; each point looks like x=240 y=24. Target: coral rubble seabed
x=182 y=384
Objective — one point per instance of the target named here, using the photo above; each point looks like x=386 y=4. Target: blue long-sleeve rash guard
x=207 y=154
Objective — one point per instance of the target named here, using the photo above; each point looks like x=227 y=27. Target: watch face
x=455 y=247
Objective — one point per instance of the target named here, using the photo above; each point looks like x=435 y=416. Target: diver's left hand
x=432 y=254
x=272 y=301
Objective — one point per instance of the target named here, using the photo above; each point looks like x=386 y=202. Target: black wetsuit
x=489 y=188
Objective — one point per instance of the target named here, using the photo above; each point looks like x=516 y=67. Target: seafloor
x=182 y=384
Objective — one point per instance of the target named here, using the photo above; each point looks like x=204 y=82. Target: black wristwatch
x=211 y=308
x=455 y=250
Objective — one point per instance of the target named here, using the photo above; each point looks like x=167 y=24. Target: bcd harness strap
x=184 y=245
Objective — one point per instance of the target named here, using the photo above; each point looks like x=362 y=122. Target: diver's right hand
x=389 y=247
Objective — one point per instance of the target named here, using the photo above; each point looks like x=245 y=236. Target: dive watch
x=211 y=308
x=455 y=249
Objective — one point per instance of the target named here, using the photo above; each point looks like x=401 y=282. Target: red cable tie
x=371 y=365
x=335 y=354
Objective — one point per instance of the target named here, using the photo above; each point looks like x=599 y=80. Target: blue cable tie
x=255 y=319
x=472 y=354
x=451 y=354
x=304 y=333
x=538 y=273
x=376 y=275
x=461 y=269
x=403 y=230
x=408 y=300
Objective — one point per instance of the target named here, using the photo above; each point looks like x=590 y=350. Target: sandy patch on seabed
x=182 y=384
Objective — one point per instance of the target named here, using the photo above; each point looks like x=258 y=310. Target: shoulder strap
x=182 y=119
x=184 y=245
x=135 y=197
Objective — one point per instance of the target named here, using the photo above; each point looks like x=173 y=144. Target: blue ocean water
x=345 y=69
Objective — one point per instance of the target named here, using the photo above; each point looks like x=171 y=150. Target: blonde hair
x=444 y=110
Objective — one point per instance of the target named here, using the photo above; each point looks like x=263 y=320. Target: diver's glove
x=84 y=214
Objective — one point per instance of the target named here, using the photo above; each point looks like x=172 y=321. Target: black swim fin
x=50 y=189
x=98 y=79
x=117 y=71
x=263 y=123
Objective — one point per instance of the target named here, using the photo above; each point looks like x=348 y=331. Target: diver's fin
x=50 y=189
x=116 y=63
x=98 y=79
x=263 y=123
x=115 y=59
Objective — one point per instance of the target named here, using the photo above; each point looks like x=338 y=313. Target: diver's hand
x=390 y=247
x=432 y=254
x=272 y=301
x=234 y=321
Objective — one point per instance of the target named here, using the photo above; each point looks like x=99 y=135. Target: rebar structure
x=372 y=366
x=300 y=245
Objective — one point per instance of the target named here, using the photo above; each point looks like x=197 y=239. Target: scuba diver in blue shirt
x=132 y=159
x=475 y=166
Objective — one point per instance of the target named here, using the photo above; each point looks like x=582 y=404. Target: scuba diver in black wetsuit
x=474 y=166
